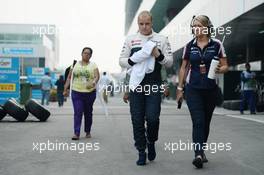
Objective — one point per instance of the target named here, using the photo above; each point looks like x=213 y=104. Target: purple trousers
x=83 y=104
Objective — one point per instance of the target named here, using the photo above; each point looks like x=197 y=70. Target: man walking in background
x=45 y=88
x=248 y=90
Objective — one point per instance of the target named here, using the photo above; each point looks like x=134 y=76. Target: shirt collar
x=209 y=42
x=147 y=36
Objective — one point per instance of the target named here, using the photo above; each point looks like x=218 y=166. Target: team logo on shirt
x=158 y=43
x=124 y=48
x=194 y=50
x=211 y=51
x=168 y=50
x=136 y=42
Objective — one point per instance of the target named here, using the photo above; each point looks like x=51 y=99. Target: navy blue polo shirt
x=195 y=55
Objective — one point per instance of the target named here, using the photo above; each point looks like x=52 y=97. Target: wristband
x=179 y=88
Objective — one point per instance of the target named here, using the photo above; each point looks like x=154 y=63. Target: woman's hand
x=66 y=92
x=218 y=69
x=179 y=94
x=94 y=83
x=91 y=84
x=222 y=67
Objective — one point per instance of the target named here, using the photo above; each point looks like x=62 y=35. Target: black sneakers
x=204 y=159
x=151 y=151
x=142 y=156
x=198 y=162
x=75 y=137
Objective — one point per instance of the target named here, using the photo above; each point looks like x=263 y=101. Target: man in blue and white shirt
x=45 y=88
x=248 y=90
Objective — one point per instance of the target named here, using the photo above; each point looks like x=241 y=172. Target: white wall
x=219 y=11
x=145 y=5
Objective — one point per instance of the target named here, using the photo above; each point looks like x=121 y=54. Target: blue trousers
x=201 y=104
x=83 y=104
x=45 y=96
x=248 y=97
x=145 y=108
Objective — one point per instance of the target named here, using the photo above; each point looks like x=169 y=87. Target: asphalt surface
x=32 y=147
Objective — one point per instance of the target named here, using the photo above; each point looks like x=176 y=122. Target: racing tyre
x=12 y=107
x=37 y=110
x=2 y=113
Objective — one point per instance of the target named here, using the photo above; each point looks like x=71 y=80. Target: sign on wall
x=34 y=75
x=9 y=79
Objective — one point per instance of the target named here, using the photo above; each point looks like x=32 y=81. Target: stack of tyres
x=235 y=105
x=227 y=104
x=260 y=107
x=37 y=110
x=13 y=108
x=2 y=113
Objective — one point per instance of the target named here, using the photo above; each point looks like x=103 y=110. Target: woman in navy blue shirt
x=201 y=92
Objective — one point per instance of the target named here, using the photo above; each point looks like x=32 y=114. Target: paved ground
x=110 y=151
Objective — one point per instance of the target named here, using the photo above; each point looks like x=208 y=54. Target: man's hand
x=155 y=52
x=166 y=91
x=126 y=97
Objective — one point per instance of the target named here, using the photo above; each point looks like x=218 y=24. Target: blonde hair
x=145 y=13
x=205 y=21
